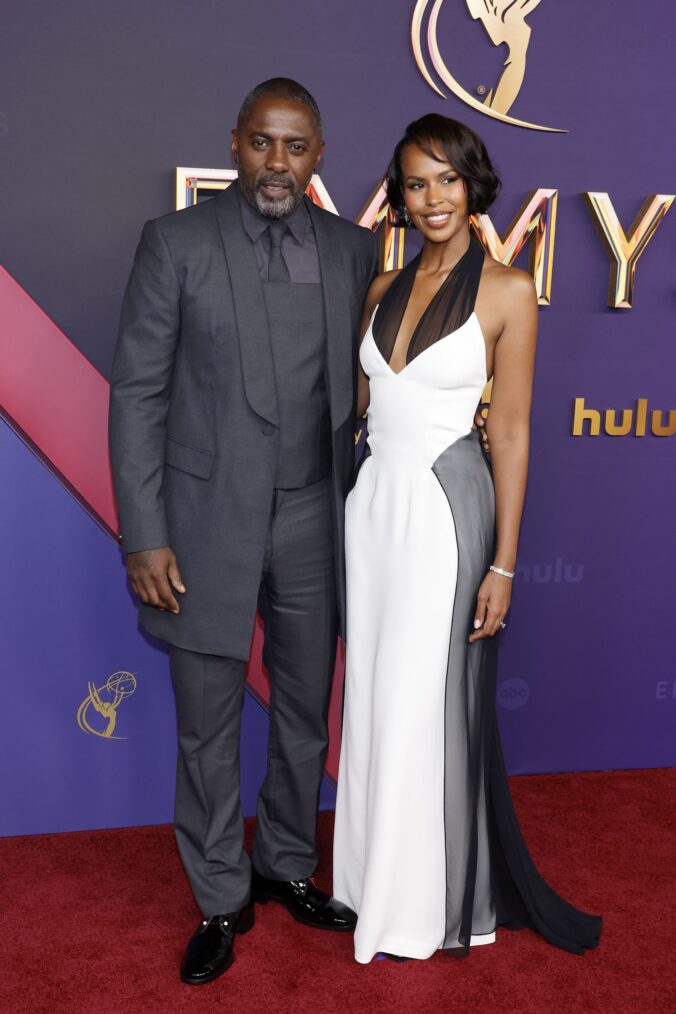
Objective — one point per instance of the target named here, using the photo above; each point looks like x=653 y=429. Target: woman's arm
x=508 y=429
x=377 y=290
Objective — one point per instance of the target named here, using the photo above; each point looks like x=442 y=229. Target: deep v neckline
x=416 y=330
x=450 y=307
x=451 y=334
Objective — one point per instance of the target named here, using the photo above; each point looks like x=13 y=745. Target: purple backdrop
x=97 y=106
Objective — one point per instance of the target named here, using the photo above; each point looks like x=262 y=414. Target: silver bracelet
x=505 y=573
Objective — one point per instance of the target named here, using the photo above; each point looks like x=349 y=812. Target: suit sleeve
x=375 y=259
x=140 y=391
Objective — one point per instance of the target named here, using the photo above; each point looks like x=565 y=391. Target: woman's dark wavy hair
x=461 y=147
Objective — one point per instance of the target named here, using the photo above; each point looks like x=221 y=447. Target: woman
x=427 y=848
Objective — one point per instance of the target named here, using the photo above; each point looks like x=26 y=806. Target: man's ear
x=234 y=145
x=320 y=156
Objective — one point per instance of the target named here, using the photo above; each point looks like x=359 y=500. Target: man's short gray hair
x=280 y=88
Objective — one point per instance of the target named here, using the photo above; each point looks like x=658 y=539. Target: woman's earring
x=407 y=218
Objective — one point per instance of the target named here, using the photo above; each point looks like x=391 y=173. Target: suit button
x=267 y=431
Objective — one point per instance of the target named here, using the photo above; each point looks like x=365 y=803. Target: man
x=231 y=434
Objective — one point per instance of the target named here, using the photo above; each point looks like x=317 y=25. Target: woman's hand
x=480 y=423
x=492 y=604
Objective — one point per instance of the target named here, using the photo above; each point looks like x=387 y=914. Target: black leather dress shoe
x=305 y=902
x=209 y=952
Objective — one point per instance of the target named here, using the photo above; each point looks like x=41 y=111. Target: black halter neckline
x=447 y=311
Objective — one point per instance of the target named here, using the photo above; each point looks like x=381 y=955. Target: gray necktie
x=277 y=269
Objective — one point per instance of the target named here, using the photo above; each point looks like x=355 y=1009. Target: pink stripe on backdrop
x=57 y=400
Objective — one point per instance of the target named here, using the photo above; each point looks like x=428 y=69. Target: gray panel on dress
x=465 y=478
x=497 y=883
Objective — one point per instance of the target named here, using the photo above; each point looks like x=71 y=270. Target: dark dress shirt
x=299 y=246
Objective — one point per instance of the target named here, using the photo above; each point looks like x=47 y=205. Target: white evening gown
x=427 y=849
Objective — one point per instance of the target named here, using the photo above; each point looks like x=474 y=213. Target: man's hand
x=480 y=424
x=152 y=574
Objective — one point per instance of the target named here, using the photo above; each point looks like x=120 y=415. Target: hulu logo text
x=624 y=422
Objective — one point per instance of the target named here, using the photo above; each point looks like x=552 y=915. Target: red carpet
x=96 y=922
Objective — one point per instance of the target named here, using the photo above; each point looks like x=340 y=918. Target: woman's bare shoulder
x=503 y=282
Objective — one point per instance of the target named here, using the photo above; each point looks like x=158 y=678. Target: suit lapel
x=252 y=321
x=338 y=323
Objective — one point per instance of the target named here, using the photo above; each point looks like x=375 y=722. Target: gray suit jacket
x=193 y=411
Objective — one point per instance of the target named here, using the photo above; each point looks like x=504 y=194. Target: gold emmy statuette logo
x=505 y=24
x=105 y=700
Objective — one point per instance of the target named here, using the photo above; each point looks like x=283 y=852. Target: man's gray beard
x=270 y=208
x=276 y=209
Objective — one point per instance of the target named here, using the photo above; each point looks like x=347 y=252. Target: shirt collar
x=255 y=224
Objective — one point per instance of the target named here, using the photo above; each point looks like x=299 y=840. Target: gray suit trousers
x=297 y=602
